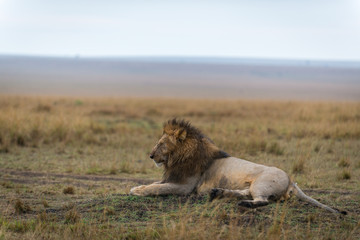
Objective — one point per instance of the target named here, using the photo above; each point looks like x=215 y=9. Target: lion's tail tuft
x=301 y=195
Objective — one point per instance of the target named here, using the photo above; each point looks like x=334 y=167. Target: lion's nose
x=151 y=156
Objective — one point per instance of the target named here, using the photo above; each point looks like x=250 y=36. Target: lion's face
x=166 y=146
x=162 y=150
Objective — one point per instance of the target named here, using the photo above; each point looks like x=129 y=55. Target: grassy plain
x=67 y=164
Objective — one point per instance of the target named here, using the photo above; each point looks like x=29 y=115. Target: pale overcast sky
x=296 y=29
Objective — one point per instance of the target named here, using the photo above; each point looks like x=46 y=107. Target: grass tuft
x=72 y=216
x=42 y=217
x=317 y=148
x=113 y=170
x=108 y=211
x=21 y=207
x=275 y=148
x=69 y=190
x=343 y=162
x=344 y=175
x=299 y=166
x=20 y=226
x=125 y=167
x=7 y=184
x=45 y=203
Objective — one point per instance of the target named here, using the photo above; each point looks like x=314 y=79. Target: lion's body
x=192 y=163
x=234 y=173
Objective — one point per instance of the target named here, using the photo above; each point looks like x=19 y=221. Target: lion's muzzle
x=158 y=164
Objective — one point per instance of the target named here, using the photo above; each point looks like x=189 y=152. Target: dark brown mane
x=175 y=124
x=192 y=156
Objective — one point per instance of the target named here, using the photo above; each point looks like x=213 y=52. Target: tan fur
x=192 y=163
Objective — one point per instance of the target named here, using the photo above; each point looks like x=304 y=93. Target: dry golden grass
x=115 y=135
x=68 y=139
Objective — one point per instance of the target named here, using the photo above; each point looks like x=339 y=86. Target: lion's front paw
x=137 y=191
x=216 y=193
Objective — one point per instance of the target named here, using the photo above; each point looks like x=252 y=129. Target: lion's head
x=184 y=151
x=174 y=135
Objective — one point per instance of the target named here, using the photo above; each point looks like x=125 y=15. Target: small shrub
x=69 y=190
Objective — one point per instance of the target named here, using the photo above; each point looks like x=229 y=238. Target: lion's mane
x=192 y=156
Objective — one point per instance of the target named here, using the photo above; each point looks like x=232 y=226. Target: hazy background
x=226 y=49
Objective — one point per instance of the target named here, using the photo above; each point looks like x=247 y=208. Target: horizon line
x=220 y=57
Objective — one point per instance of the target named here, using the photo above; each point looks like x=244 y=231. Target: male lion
x=192 y=163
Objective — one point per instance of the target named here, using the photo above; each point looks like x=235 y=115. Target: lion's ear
x=180 y=134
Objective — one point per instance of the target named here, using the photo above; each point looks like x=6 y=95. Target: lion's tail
x=301 y=195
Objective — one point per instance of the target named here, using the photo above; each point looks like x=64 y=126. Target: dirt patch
x=30 y=174
x=44 y=182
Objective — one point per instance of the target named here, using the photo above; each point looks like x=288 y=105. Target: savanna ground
x=67 y=164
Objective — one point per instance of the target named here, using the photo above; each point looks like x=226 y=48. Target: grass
x=50 y=147
x=69 y=190
x=299 y=166
x=344 y=175
x=343 y=162
x=21 y=207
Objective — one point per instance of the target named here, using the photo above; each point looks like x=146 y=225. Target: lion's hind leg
x=217 y=193
x=257 y=202
x=267 y=187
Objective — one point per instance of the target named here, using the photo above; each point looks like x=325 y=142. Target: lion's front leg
x=138 y=191
x=163 y=189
